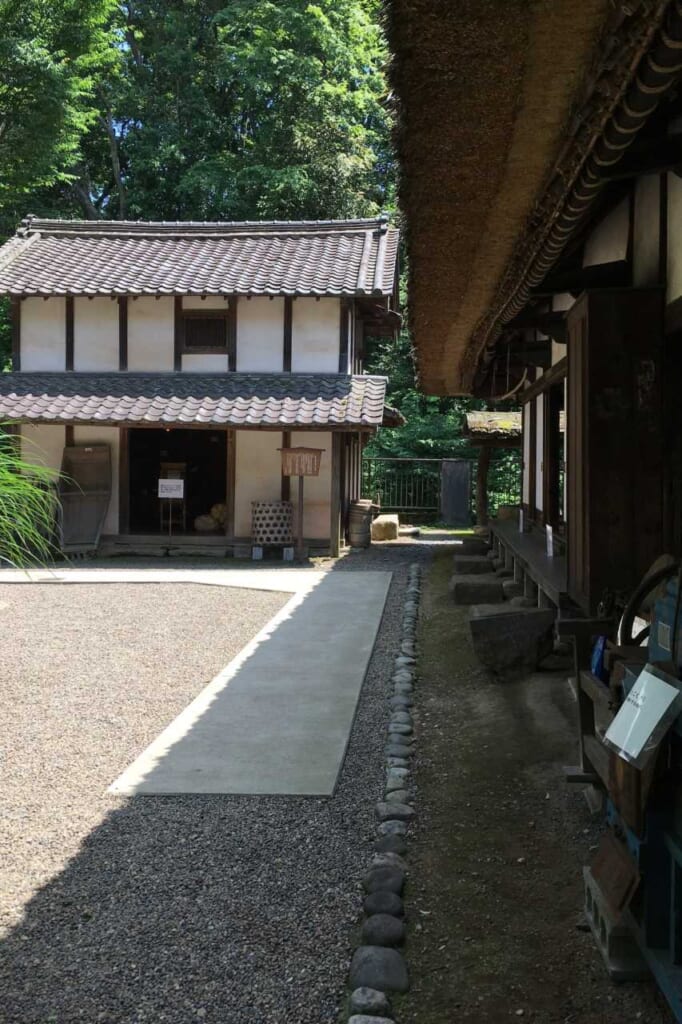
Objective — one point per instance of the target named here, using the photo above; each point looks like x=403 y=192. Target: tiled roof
x=60 y=257
x=237 y=399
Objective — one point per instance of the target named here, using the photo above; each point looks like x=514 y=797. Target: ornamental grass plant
x=28 y=505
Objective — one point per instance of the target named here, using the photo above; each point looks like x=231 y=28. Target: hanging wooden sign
x=301 y=461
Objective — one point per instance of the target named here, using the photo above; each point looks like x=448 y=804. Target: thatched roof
x=500 y=103
x=484 y=427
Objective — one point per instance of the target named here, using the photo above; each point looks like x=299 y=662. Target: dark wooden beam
x=288 y=320
x=343 y=336
x=123 y=332
x=553 y=324
x=532 y=353
x=16 y=334
x=482 y=467
x=602 y=275
x=552 y=376
x=68 y=361
x=286 y=480
x=124 y=481
x=69 y=436
x=232 y=306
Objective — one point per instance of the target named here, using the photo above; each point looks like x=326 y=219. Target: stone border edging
x=378 y=968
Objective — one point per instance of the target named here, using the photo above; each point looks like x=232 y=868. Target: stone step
x=469 y=564
x=509 y=639
x=512 y=589
x=475 y=589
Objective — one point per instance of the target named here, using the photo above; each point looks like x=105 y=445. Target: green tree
x=256 y=109
x=53 y=54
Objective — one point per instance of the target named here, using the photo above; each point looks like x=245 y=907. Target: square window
x=206 y=332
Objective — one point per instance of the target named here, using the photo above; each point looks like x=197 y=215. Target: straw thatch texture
x=485 y=88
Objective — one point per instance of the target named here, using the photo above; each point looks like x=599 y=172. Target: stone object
x=385 y=527
x=393 y=750
x=509 y=639
x=473 y=546
x=392 y=828
x=369 y=1001
x=398 y=796
x=401 y=718
x=512 y=588
x=362 y=1018
x=470 y=565
x=394 y=812
x=391 y=844
x=399 y=729
x=378 y=967
x=476 y=589
x=384 y=876
x=400 y=700
x=383 y=930
x=393 y=860
x=384 y=902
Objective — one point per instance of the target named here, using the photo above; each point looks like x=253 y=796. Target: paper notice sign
x=650 y=707
x=171 y=488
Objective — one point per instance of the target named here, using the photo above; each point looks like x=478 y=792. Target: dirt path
x=496 y=890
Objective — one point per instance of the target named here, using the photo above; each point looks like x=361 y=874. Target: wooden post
x=299 y=539
x=482 y=486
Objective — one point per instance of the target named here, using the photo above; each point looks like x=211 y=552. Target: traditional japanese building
x=200 y=350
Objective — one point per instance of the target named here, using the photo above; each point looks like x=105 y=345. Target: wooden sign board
x=301 y=461
x=171 y=488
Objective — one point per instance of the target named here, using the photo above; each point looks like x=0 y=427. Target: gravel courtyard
x=228 y=910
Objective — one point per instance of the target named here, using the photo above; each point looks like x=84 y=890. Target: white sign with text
x=171 y=488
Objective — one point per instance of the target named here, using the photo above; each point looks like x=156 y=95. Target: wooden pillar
x=482 y=486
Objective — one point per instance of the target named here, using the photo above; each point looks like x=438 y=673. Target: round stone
x=393 y=750
x=403 y=661
x=400 y=740
x=403 y=688
x=369 y=1001
x=383 y=930
x=363 y=1018
x=390 y=844
x=397 y=762
x=384 y=876
x=393 y=860
x=401 y=718
x=397 y=773
x=403 y=676
x=379 y=967
x=392 y=828
x=401 y=700
x=399 y=796
x=400 y=729
x=394 y=784
x=394 y=812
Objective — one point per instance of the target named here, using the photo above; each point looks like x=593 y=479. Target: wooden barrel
x=359 y=523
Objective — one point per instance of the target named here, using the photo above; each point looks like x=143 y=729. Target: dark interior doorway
x=203 y=453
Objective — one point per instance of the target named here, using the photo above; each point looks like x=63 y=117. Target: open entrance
x=199 y=457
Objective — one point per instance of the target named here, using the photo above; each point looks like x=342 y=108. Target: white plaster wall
x=95 y=334
x=609 y=240
x=646 y=231
x=151 y=329
x=260 y=335
x=317 y=493
x=525 y=490
x=258 y=473
x=207 y=363
x=674 y=289
x=315 y=336
x=105 y=435
x=208 y=302
x=43 y=334
x=539 y=444
x=43 y=444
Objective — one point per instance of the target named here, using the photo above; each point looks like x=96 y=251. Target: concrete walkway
x=277 y=719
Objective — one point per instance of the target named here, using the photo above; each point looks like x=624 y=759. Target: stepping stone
x=378 y=967
x=476 y=589
x=511 y=589
x=369 y=1001
x=524 y=602
x=390 y=844
x=394 y=812
x=362 y=1018
x=473 y=546
x=384 y=876
x=383 y=930
x=384 y=902
x=471 y=564
x=511 y=639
